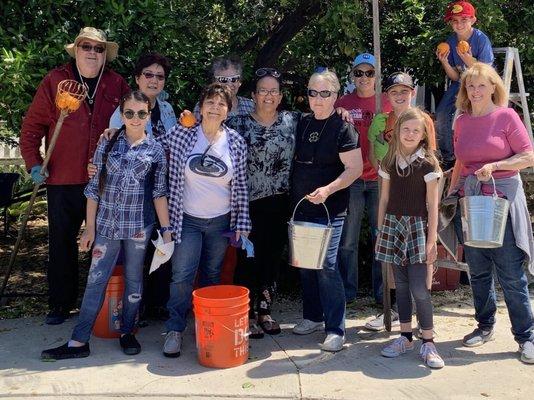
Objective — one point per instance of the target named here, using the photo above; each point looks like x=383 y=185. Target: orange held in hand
x=463 y=47
x=188 y=119
x=443 y=48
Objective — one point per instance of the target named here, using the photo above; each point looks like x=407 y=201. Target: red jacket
x=80 y=131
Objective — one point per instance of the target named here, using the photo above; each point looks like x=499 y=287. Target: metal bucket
x=308 y=241
x=484 y=219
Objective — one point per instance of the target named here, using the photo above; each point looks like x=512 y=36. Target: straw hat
x=97 y=35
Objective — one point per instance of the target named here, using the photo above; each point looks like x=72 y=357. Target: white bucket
x=308 y=241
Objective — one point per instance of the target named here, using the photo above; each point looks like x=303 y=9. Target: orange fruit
x=463 y=47
x=188 y=119
x=443 y=48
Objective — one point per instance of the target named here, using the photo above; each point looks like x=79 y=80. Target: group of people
x=235 y=174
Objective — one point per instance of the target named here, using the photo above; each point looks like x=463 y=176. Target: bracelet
x=496 y=164
x=164 y=229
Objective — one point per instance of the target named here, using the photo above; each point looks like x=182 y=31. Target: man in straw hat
x=67 y=169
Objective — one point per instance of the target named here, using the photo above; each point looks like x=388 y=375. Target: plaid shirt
x=179 y=142
x=130 y=171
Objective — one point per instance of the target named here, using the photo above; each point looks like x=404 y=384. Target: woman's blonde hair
x=327 y=76
x=428 y=143
x=478 y=69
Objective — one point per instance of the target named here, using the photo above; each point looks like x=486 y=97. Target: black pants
x=269 y=234
x=66 y=212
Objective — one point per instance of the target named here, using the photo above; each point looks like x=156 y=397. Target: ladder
x=512 y=60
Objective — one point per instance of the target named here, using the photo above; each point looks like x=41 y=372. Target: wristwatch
x=164 y=229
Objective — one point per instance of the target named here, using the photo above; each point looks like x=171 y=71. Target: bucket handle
x=479 y=188
x=300 y=201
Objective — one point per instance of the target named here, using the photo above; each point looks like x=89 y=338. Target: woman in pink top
x=490 y=140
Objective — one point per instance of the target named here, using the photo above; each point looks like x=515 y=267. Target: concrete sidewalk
x=280 y=367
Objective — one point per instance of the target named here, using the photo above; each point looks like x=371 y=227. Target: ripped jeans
x=104 y=256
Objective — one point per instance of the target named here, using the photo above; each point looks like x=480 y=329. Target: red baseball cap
x=459 y=9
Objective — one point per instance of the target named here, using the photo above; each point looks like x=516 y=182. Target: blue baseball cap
x=364 y=58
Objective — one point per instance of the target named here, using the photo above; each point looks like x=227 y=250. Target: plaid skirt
x=402 y=240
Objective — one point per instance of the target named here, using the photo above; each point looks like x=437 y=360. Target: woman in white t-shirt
x=208 y=197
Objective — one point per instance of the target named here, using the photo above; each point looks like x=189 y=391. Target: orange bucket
x=221 y=325
x=108 y=321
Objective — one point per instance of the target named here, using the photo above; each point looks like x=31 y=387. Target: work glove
x=35 y=173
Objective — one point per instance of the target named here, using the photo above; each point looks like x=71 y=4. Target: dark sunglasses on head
x=129 y=114
x=150 y=75
x=358 y=73
x=323 y=93
x=261 y=72
x=87 y=47
x=227 y=79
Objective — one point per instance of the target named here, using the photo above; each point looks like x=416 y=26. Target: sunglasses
x=323 y=93
x=261 y=72
x=129 y=114
x=150 y=75
x=358 y=73
x=87 y=47
x=265 y=92
x=227 y=79
x=205 y=161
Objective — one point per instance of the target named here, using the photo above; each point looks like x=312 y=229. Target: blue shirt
x=480 y=49
x=123 y=209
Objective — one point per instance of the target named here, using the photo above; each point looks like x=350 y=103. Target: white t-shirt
x=207 y=178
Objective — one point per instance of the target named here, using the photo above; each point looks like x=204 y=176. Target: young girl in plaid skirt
x=408 y=227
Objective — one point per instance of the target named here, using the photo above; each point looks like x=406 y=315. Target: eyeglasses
x=129 y=114
x=205 y=161
x=87 y=47
x=150 y=75
x=227 y=79
x=265 y=92
x=358 y=73
x=261 y=72
x=323 y=93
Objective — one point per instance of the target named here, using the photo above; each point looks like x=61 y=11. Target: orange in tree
x=463 y=47
x=188 y=119
x=443 y=48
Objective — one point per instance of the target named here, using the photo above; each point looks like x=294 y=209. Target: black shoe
x=64 y=352
x=129 y=344
x=56 y=316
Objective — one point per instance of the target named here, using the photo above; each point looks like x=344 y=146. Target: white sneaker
x=377 y=324
x=399 y=346
x=430 y=355
x=305 y=327
x=527 y=352
x=173 y=344
x=333 y=342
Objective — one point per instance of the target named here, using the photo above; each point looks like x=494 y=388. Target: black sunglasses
x=227 y=79
x=129 y=114
x=150 y=75
x=323 y=93
x=87 y=47
x=358 y=73
x=204 y=158
x=261 y=72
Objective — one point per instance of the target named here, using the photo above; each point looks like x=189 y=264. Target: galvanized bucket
x=484 y=219
x=308 y=241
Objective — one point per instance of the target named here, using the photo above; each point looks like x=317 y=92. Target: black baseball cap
x=399 y=78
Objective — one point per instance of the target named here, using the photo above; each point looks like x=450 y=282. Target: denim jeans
x=508 y=262
x=363 y=195
x=444 y=115
x=202 y=249
x=104 y=257
x=323 y=295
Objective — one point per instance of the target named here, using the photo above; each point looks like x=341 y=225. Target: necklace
x=315 y=136
x=90 y=98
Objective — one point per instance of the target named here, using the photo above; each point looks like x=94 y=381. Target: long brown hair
x=428 y=143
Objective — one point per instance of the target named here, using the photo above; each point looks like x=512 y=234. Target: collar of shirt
x=122 y=136
x=403 y=163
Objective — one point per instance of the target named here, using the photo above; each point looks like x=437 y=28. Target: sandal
x=255 y=332
x=269 y=325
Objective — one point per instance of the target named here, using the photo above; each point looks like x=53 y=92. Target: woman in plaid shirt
x=128 y=165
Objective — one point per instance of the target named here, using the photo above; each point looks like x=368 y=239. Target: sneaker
x=305 y=327
x=430 y=355
x=173 y=344
x=399 y=346
x=377 y=324
x=56 y=316
x=527 y=352
x=129 y=344
x=333 y=342
x=64 y=352
x=477 y=338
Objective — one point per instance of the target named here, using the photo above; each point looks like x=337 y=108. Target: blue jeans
x=444 y=115
x=508 y=262
x=203 y=245
x=323 y=295
x=363 y=195
x=104 y=257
